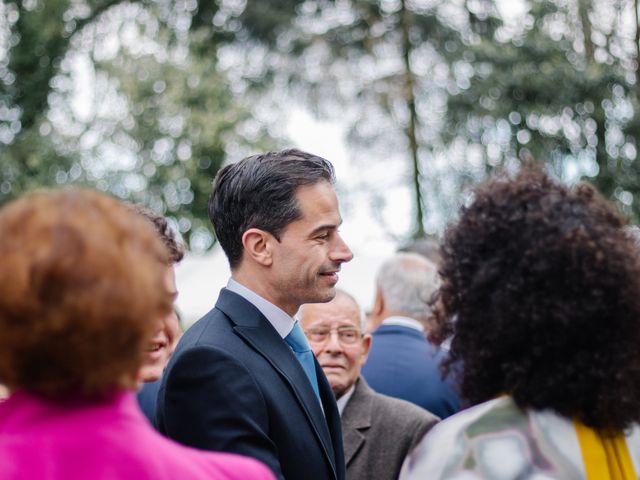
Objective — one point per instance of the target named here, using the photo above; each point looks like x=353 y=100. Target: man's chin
x=325 y=295
x=150 y=373
x=317 y=295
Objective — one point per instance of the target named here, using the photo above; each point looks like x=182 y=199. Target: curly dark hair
x=168 y=237
x=541 y=292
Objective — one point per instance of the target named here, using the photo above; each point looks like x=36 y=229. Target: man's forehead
x=318 y=199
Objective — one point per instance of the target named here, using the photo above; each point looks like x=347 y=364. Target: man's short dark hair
x=259 y=192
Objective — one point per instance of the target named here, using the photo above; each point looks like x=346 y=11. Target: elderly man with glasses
x=378 y=431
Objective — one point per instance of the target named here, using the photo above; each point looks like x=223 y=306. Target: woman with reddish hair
x=82 y=293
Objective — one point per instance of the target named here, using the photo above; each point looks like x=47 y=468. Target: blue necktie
x=298 y=343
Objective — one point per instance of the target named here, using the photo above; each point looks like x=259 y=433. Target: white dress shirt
x=277 y=317
x=344 y=399
x=404 y=322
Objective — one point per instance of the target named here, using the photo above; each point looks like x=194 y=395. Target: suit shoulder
x=401 y=411
x=214 y=328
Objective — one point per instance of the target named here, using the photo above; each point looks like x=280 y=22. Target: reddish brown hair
x=81 y=291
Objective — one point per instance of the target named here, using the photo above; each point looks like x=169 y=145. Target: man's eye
x=348 y=334
x=318 y=334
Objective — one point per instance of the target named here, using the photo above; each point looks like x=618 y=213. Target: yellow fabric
x=605 y=458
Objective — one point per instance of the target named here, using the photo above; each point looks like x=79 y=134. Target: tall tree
x=369 y=63
x=559 y=86
x=126 y=96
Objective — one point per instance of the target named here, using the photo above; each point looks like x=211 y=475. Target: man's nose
x=341 y=252
x=333 y=342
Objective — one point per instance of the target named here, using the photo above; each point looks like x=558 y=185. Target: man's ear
x=375 y=315
x=257 y=246
x=366 y=346
x=378 y=304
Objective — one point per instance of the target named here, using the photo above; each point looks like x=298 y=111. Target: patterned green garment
x=496 y=440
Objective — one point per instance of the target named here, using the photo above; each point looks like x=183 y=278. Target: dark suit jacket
x=379 y=432
x=403 y=364
x=147 y=396
x=234 y=385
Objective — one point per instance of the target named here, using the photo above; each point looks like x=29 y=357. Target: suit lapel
x=356 y=419
x=256 y=330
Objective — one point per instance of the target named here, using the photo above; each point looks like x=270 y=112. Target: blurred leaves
x=561 y=88
x=147 y=98
x=124 y=96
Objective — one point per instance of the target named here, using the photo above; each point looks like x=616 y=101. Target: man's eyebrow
x=328 y=226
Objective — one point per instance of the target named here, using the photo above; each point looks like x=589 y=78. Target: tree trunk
x=636 y=5
x=413 y=121
x=583 y=12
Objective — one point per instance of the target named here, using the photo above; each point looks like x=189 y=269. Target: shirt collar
x=277 y=317
x=344 y=399
x=404 y=322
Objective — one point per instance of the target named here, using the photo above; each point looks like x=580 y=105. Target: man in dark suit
x=378 y=431
x=402 y=363
x=243 y=378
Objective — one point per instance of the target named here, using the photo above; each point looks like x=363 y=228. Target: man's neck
x=379 y=319
x=259 y=286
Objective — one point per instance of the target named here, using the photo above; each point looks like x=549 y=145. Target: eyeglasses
x=346 y=335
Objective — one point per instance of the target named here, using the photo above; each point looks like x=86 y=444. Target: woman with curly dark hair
x=541 y=297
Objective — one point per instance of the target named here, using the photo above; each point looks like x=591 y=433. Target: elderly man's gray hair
x=408 y=281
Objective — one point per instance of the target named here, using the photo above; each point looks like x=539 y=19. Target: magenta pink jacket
x=80 y=440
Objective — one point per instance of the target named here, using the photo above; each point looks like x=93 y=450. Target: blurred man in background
x=402 y=363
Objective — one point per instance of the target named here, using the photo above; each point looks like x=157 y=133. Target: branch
x=97 y=11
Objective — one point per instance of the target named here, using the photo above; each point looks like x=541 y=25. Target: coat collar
x=356 y=418
x=398 y=329
x=256 y=330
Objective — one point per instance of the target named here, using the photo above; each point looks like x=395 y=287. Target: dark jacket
x=234 y=385
x=403 y=364
x=378 y=433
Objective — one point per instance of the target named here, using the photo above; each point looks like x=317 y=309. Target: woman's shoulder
x=494 y=439
x=447 y=441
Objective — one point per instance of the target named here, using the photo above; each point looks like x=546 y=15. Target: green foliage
x=369 y=63
x=547 y=91
x=157 y=117
x=440 y=93
x=181 y=121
